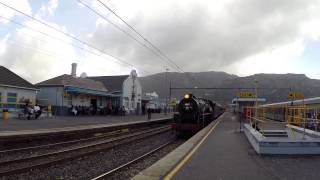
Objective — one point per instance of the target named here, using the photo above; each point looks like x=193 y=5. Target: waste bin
x=5 y=114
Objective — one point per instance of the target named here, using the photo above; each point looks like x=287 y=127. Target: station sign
x=245 y=94
x=296 y=95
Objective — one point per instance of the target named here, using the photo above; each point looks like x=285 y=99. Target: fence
x=306 y=117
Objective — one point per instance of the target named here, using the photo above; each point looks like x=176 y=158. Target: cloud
x=49 y=8
x=21 y=5
x=3 y=44
x=199 y=36
x=35 y=56
x=240 y=37
x=278 y=60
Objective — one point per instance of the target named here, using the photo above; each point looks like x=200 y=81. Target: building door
x=93 y=103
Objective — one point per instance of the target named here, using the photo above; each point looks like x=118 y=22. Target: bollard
x=49 y=113
x=5 y=114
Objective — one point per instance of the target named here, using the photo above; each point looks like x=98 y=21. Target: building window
x=69 y=99
x=11 y=100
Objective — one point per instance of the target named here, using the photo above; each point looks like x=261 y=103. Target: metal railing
x=306 y=117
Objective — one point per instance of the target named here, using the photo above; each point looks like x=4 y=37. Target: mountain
x=274 y=87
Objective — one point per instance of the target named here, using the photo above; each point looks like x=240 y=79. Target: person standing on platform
x=123 y=110
x=149 y=113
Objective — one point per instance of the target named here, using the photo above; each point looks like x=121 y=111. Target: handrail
x=306 y=117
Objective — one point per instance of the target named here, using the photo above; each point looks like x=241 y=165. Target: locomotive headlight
x=186 y=96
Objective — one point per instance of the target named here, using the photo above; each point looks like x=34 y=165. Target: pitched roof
x=112 y=83
x=9 y=78
x=68 y=80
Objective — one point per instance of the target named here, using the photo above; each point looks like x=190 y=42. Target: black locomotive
x=194 y=114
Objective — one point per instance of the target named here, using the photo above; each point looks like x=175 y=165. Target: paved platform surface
x=226 y=154
x=69 y=121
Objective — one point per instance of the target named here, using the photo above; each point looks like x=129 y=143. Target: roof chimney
x=74 y=70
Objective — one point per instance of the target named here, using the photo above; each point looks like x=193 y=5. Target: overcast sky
x=241 y=37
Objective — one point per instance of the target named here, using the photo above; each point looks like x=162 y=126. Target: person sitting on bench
x=37 y=111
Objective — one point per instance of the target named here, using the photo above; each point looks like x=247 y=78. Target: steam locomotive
x=193 y=114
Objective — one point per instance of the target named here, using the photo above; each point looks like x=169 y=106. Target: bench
x=23 y=115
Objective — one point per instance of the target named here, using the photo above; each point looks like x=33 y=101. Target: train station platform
x=226 y=154
x=14 y=127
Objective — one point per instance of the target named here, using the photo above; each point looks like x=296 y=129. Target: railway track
x=97 y=136
x=37 y=147
x=110 y=172
x=21 y=165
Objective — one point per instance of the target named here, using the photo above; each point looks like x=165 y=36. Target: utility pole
x=166 y=91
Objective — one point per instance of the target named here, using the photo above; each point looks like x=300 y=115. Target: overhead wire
x=57 y=39
x=128 y=34
x=86 y=43
x=141 y=36
x=67 y=34
x=168 y=59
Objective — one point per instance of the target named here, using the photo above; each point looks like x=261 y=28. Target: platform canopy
x=235 y=100
x=79 y=90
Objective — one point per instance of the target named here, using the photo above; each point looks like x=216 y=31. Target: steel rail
x=61 y=143
x=132 y=161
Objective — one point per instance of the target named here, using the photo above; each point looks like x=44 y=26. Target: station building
x=63 y=92
x=14 y=90
x=125 y=90
x=110 y=93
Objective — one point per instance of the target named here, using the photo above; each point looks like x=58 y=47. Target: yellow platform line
x=190 y=154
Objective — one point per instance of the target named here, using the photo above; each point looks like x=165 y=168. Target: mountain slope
x=277 y=86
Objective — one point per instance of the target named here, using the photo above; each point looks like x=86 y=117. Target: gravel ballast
x=93 y=165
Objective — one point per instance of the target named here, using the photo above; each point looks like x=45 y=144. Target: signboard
x=296 y=95
x=245 y=94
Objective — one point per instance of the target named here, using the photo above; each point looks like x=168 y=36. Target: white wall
x=55 y=97
x=21 y=94
x=127 y=94
x=85 y=100
x=51 y=95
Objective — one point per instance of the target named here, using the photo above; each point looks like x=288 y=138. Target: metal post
x=62 y=99
x=170 y=93
x=317 y=122
x=256 y=104
x=238 y=112
x=133 y=95
x=304 y=128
